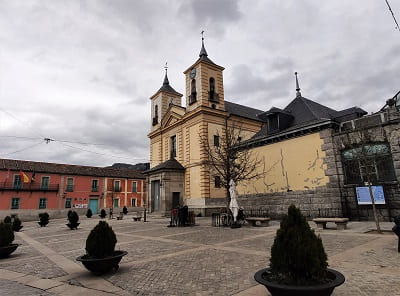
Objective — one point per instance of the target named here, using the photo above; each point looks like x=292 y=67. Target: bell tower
x=204 y=83
x=161 y=101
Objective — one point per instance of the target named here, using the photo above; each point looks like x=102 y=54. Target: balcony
x=28 y=187
x=213 y=97
x=95 y=189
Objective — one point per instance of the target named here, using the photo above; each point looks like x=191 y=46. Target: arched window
x=155 y=118
x=193 y=93
x=212 y=85
x=212 y=96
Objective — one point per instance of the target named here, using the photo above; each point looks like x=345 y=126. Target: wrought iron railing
x=28 y=187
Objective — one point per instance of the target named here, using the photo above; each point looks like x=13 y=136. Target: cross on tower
x=202 y=35
x=166 y=66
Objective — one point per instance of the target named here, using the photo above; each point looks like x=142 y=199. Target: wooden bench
x=121 y=216
x=137 y=216
x=341 y=223
x=264 y=221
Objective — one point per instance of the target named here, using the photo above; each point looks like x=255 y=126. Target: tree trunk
x=378 y=228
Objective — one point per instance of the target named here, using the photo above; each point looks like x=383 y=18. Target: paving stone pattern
x=200 y=260
x=11 y=288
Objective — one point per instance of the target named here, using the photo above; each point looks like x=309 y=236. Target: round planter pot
x=288 y=290
x=7 y=250
x=43 y=223
x=73 y=225
x=102 y=265
x=18 y=228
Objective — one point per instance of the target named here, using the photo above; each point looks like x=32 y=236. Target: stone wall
x=309 y=202
x=388 y=132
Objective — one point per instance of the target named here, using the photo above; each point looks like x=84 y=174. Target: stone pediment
x=173 y=115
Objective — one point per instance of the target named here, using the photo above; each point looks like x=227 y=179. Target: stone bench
x=264 y=221
x=341 y=223
x=137 y=216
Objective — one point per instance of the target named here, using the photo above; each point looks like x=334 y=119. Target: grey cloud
x=214 y=15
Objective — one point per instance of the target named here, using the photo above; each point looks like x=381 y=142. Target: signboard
x=80 y=206
x=364 y=198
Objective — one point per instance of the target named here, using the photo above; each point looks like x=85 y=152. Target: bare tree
x=227 y=160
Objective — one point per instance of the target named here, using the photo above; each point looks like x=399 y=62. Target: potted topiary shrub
x=103 y=213
x=298 y=263
x=125 y=210
x=16 y=225
x=7 y=219
x=101 y=256
x=73 y=219
x=89 y=213
x=6 y=239
x=43 y=219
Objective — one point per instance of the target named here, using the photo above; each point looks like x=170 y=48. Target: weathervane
x=166 y=67
x=202 y=35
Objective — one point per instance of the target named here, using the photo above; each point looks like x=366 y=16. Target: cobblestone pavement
x=199 y=260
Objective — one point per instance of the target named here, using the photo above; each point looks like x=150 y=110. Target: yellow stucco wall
x=295 y=164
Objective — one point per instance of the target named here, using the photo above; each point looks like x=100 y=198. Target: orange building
x=28 y=185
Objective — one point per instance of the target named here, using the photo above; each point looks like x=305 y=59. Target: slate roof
x=168 y=88
x=67 y=169
x=306 y=112
x=242 y=111
x=170 y=164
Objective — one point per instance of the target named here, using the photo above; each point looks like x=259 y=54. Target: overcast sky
x=82 y=72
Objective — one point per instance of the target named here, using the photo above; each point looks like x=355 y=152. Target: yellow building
x=178 y=172
x=294 y=145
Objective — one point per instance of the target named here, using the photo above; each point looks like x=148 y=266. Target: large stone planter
x=288 y=290
x=73 y=225
x=102 y=265
x=7 y=250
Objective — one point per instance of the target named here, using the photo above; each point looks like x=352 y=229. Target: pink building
x=28 y=185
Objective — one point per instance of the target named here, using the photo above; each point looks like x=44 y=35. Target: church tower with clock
x=204 y=83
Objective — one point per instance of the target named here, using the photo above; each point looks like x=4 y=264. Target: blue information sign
x=364 y=198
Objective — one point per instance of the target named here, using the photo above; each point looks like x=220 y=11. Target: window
x=173 y=147
x=217 y=182
x=373 y=160
x=133 y=202
x=45 y=182
x=216 y=141
x=17 y=182
x=68 y=203
x=273 y=123
x=193 y=93
x=134 y=186
x=155 y=118
x=212 y=84
x=212 y=96
x=42 y=203
x=116 y=202
x=95 y=185
x=117 y=186
x=70 y=184
x=15 y=203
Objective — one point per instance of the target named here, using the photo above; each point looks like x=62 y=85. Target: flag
x=24 y=177
x=33 y=179
x=7 y=176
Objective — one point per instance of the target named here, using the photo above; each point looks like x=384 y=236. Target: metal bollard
x=396 y=230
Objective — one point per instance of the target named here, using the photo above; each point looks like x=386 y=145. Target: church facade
x=178 y=165
x=301 y=157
